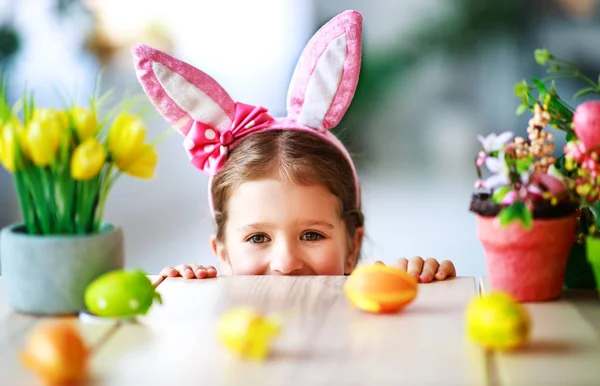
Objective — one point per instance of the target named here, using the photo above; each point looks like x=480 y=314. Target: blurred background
x=435 y=74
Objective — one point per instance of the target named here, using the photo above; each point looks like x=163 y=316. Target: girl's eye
x=311 y=236
x=258 y=239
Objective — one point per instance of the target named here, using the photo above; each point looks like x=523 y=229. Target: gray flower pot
x=48 y=275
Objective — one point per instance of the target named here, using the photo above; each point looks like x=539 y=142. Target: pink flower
x=551 y=184
x=575 y=150
x=500 y=172
x=589 y=164
x=510 y=197
x=586 y=123
x=479 y=184
x=533 y=191
x=527 y=194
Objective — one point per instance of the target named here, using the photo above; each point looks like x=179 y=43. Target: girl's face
x=276 y=227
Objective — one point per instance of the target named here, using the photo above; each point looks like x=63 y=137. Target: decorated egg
x=121 y=294
x=380 y=289
x=497 y=321
x=247 y=333
x=56 y=353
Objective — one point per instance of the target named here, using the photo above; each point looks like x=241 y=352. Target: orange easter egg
x=380 y=289
x=57 y=353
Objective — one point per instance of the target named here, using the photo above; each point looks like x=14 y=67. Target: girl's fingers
x=185 y=271
x=169 y=272
x=429 y=270
x=165 y=271
x=415 y=266
x=190 y=271
x=199 y=271
x=445 y=270
x=211 y=271
x=402 y=264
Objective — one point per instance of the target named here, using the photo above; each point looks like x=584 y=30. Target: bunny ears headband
x=212 y=123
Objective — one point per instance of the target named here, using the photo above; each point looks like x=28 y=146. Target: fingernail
x=426 y=277
x=440 y=275
x=200 y=272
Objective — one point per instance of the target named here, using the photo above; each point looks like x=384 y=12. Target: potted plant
x=64 y=164
x=536 y=207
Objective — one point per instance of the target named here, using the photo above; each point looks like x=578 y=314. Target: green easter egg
x=121 y=294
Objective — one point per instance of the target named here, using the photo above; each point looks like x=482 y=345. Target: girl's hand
x=192 y=271
x=426 y=271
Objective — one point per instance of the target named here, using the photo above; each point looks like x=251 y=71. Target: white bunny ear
x=325 y=78
x=180 y=92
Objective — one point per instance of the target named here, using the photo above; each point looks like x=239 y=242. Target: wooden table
x=324 y=340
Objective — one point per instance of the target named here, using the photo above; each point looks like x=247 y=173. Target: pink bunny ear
x=325 y=78
x=180 y=92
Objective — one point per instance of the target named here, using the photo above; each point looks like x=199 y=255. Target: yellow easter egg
x=247 y=333
x=496 y=321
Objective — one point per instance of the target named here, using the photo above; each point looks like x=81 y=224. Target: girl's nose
x=286 y=259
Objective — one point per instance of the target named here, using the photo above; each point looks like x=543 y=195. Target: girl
x=283 y=192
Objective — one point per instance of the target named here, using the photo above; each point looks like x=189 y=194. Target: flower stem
x=478 y=170
x=576 y=73
x=564 y=62
x=50 y=199
x=105 y=186
x=79 y=199
x=33 y=179
x=91 y=196
x=85 y=206
x=25 y=203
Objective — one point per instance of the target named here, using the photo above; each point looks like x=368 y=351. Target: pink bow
x=208 y=147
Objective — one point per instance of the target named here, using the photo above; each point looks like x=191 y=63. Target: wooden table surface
x=565 y=343
x=324 y=340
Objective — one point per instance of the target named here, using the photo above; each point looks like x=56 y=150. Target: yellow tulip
x=61 y=116
x=88 y=159
x=86 y=124
x=125 y=138
x=41 y=141
x=143 y=164
x=9 y=133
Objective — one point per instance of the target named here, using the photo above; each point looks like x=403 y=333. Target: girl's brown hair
x=301 y=158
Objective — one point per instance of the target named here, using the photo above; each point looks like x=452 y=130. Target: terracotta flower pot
x=528 y=264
